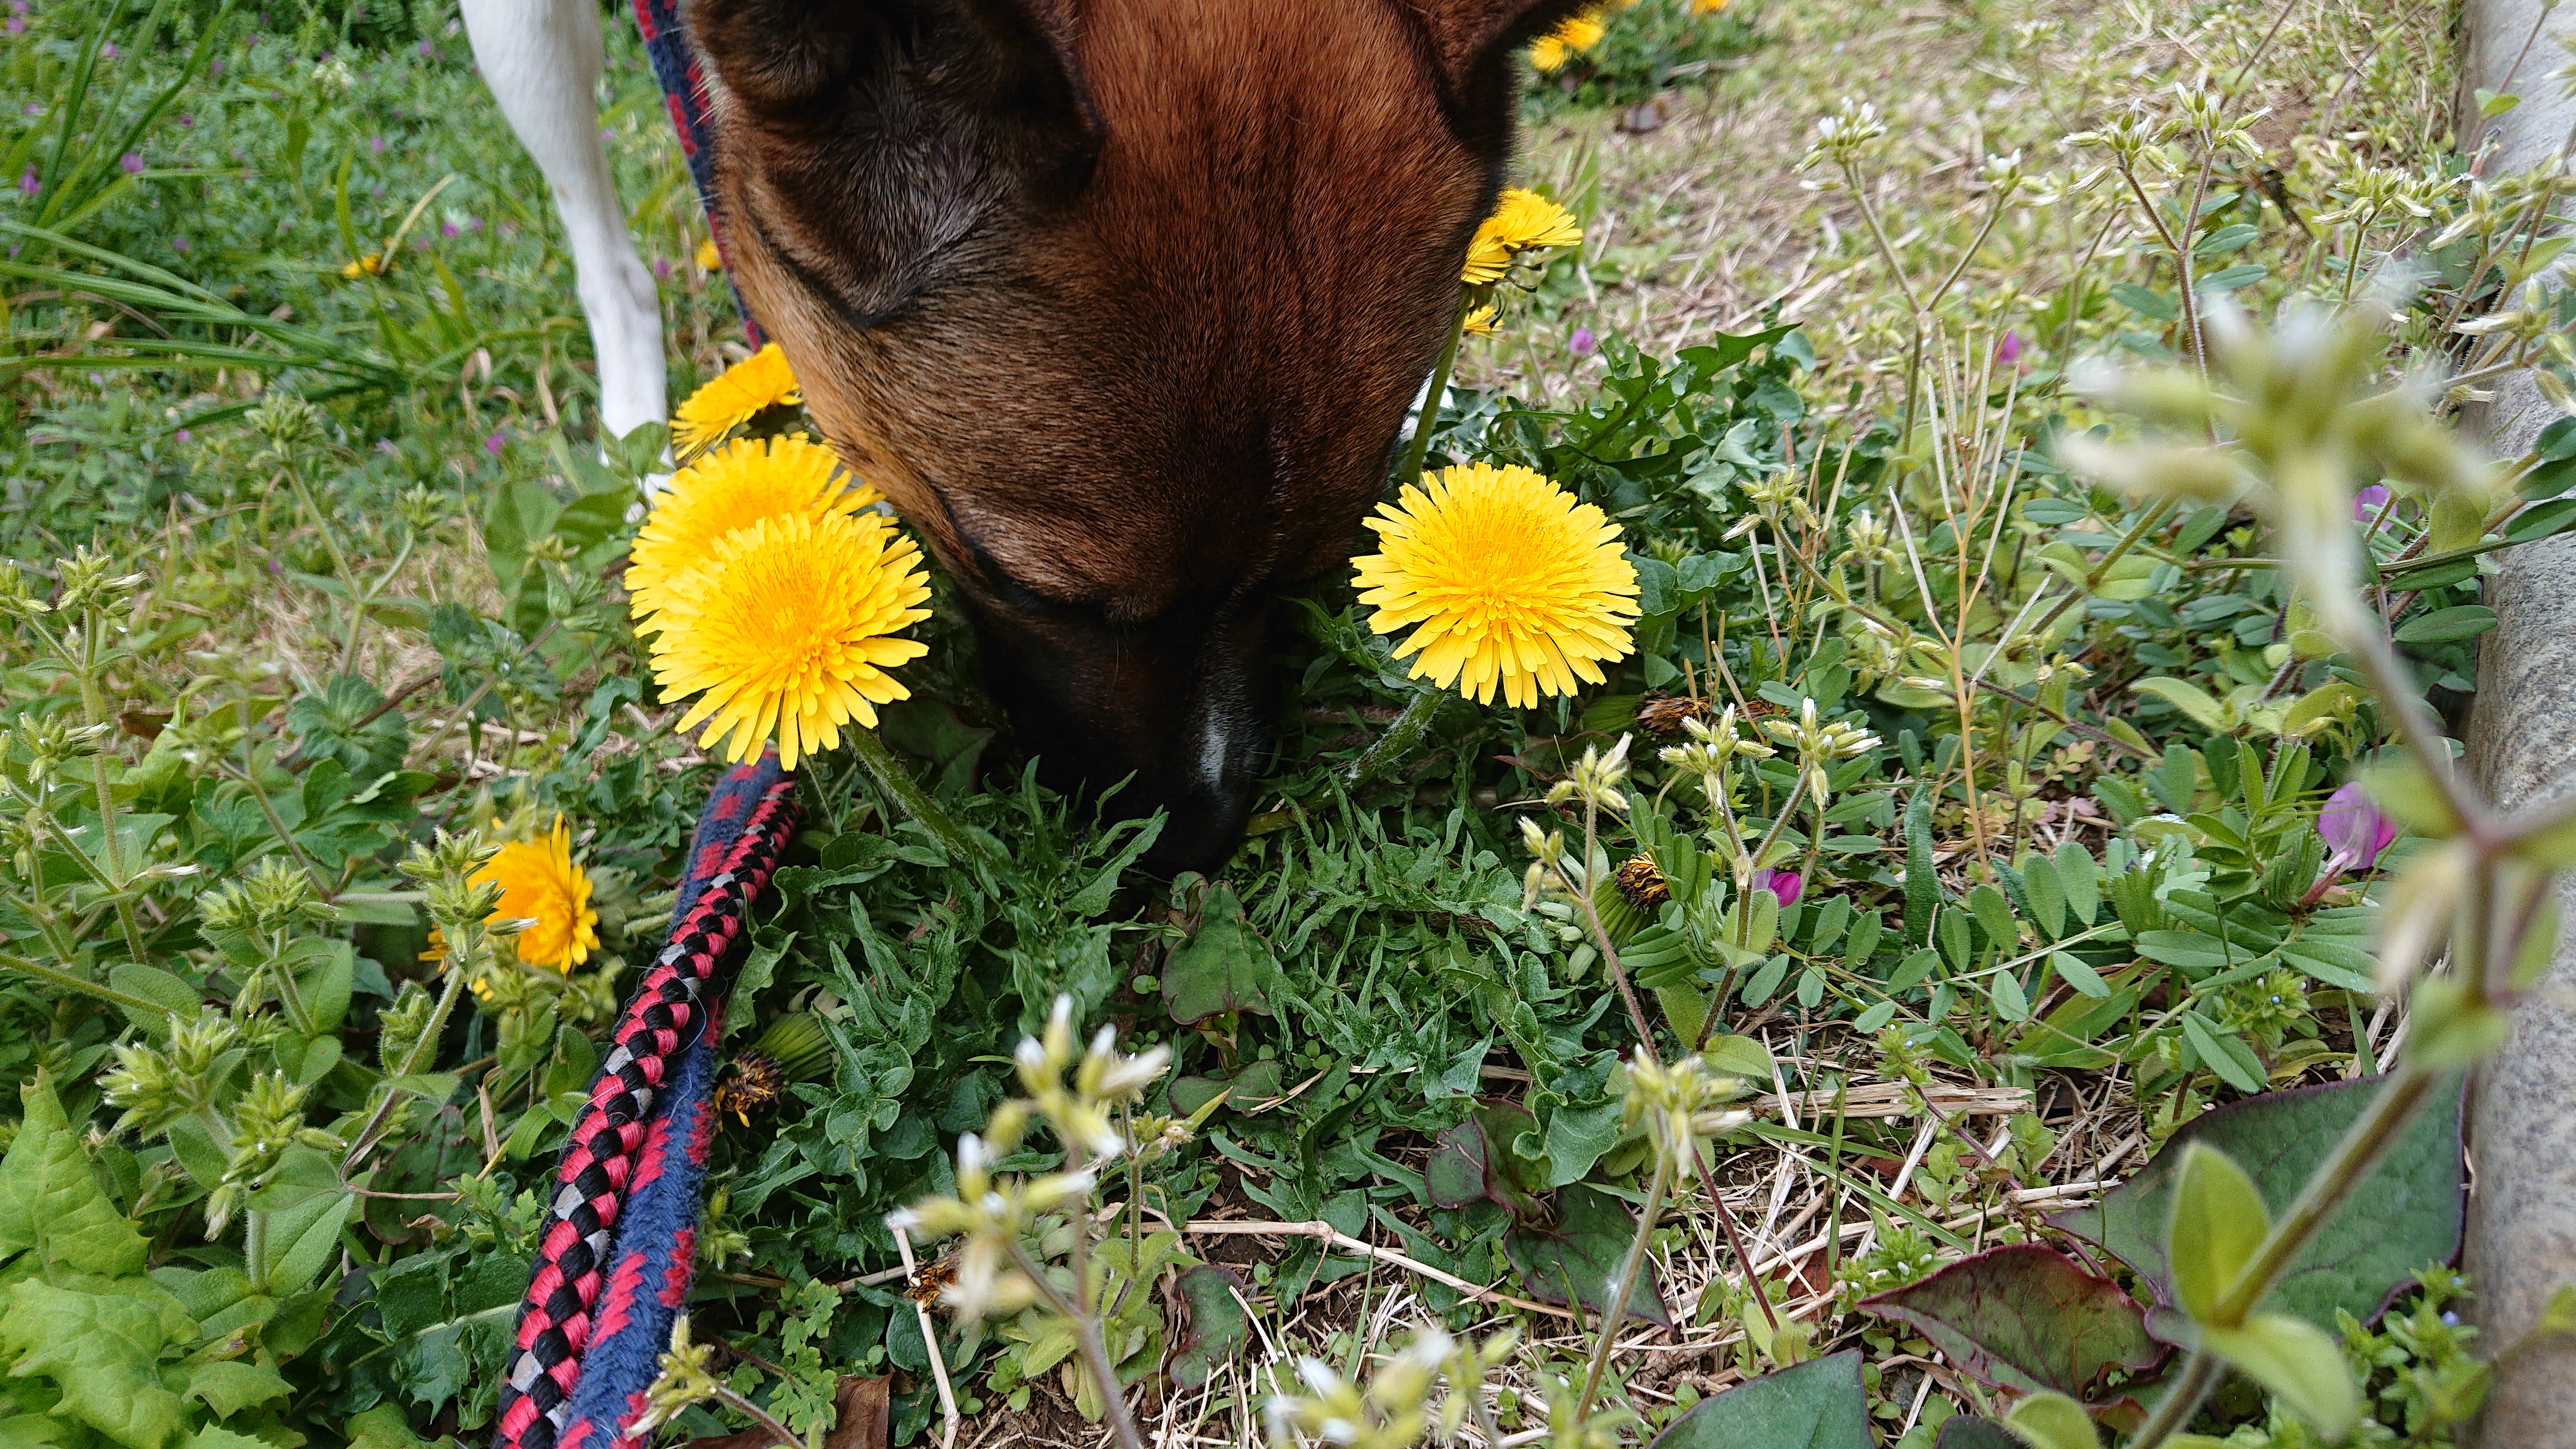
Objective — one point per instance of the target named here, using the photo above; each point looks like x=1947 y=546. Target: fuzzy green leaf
x=2218 y=1223
x=2299 y=1362
x=2053 y=1421
x=51 y=1203
x=101 y=1344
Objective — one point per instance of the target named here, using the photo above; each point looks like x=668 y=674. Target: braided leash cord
x=663 y=1056
x=684 y=93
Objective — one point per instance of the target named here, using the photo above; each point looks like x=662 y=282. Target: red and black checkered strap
x=670 y=1009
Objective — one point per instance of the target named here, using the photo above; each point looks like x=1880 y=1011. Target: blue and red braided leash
x=615 y=1257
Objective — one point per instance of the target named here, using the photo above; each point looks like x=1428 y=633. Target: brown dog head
x=1122 y=302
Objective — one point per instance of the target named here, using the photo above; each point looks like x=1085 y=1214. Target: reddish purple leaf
x=2026 y=1318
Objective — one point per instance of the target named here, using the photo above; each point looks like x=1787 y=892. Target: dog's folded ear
x=867 y=141
x=1472 y=42
x=822 y=65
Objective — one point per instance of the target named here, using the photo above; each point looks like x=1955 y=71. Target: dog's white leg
x=542 y=60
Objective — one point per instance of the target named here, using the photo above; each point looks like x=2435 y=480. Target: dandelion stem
x=1429 y=413
x=1400 y=737
x=897 y=785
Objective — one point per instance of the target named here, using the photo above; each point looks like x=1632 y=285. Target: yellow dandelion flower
x=1578 y=34
x=1523 y=221
x=1514 y=584
x=787 y=628
x=1482 y=322
x=711 y=260
x=735 y=397
x=1707 y=7
x=542 y=887
x=733 y=487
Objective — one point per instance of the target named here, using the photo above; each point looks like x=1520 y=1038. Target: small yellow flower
x=1578 y=34
x=787 y=629
x=1523 y=221
x=1707 y=7
x=733 y=398
x=370 y=265
x=1482 y=322
x=1513 y=583
x=541 y=886
x=730 y=488
x=711 y=260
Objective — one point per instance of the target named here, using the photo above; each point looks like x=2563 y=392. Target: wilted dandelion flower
x=1523 y=221
x=736 y=396
x=1578 y=34
x=729 y=489
x=1506 y=580
x=1480 y=322
x=787 y=630
x=544 y=889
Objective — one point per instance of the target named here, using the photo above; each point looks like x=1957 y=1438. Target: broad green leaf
x=2299 y=1362
x=2228 y=1056
x=1817 y=1405
x=231 y=1385
x=2193 y=701
x=306 y=1206
x=2047 y=895
x=2026 y=1318
x=1226 y=966
x=2075 y=973
x=50 y=1202
x=1213 y=1330
x=2445 y=626
x=2082 y=878
x=1739 y=1056
x=102 y=1348
x=2053 y=1421
x=2406 y=1213
x=1583 y=1254
x=2218 y=1224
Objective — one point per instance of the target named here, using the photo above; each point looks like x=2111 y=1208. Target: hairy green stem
x=1399 y=738
x=1095 y=1354
x=67 y=981
x=2200 y=1374
x=1625 y=1284
x=897 y=785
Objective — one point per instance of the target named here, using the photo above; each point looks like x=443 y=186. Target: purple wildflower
x=2354 y=829
x=132 y=162
x=494 y=444
x=17 y=7
x=2008 y=351
x=108 y=51
x=428 y=51
x=16 y=25
x=2367 y=503
x=185 y=121
x=375 y=145
x=448 y=229
x=1581 y=343
x=662 y=268
x=29 y=183
x=178 y=244
x=1785 y=886
x=183 y=436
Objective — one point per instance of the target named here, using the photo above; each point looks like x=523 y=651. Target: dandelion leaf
x=1582 y=1256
